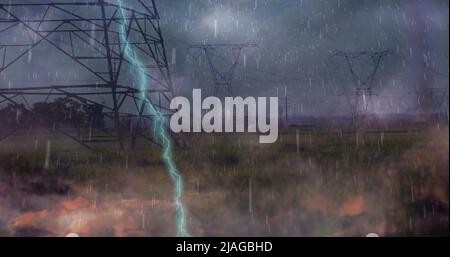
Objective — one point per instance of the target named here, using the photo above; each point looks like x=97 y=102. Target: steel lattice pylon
x=432 y=100
x=359 y=98
x=222 y=79
x=87 y=33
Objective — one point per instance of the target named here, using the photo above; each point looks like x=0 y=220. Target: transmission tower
x=439 y=96
x=88 y=34
x=359 y=98
x=222 y=79
x=432 y=100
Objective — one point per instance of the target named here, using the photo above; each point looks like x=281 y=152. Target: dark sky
x=296 y=40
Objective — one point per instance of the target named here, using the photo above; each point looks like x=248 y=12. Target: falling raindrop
x=47 y=155
x=174 y=56
x=215 y=28
x=30 y=55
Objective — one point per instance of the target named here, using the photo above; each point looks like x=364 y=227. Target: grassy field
x=312 y=182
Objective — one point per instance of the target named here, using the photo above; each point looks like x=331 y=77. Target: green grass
x=309 y=189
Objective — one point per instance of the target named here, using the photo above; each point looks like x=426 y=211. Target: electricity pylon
x=88 y=35
x=359 y=98
x=432 y=100
x=222 y=79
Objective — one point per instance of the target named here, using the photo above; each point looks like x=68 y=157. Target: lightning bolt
x=160 y=130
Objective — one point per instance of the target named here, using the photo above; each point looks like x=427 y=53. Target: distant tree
x=93 y=116
x=12 y=115
x=60 y=112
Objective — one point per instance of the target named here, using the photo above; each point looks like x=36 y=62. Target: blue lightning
x=160 y=130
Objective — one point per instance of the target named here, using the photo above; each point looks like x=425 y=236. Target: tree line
x=60 y=112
